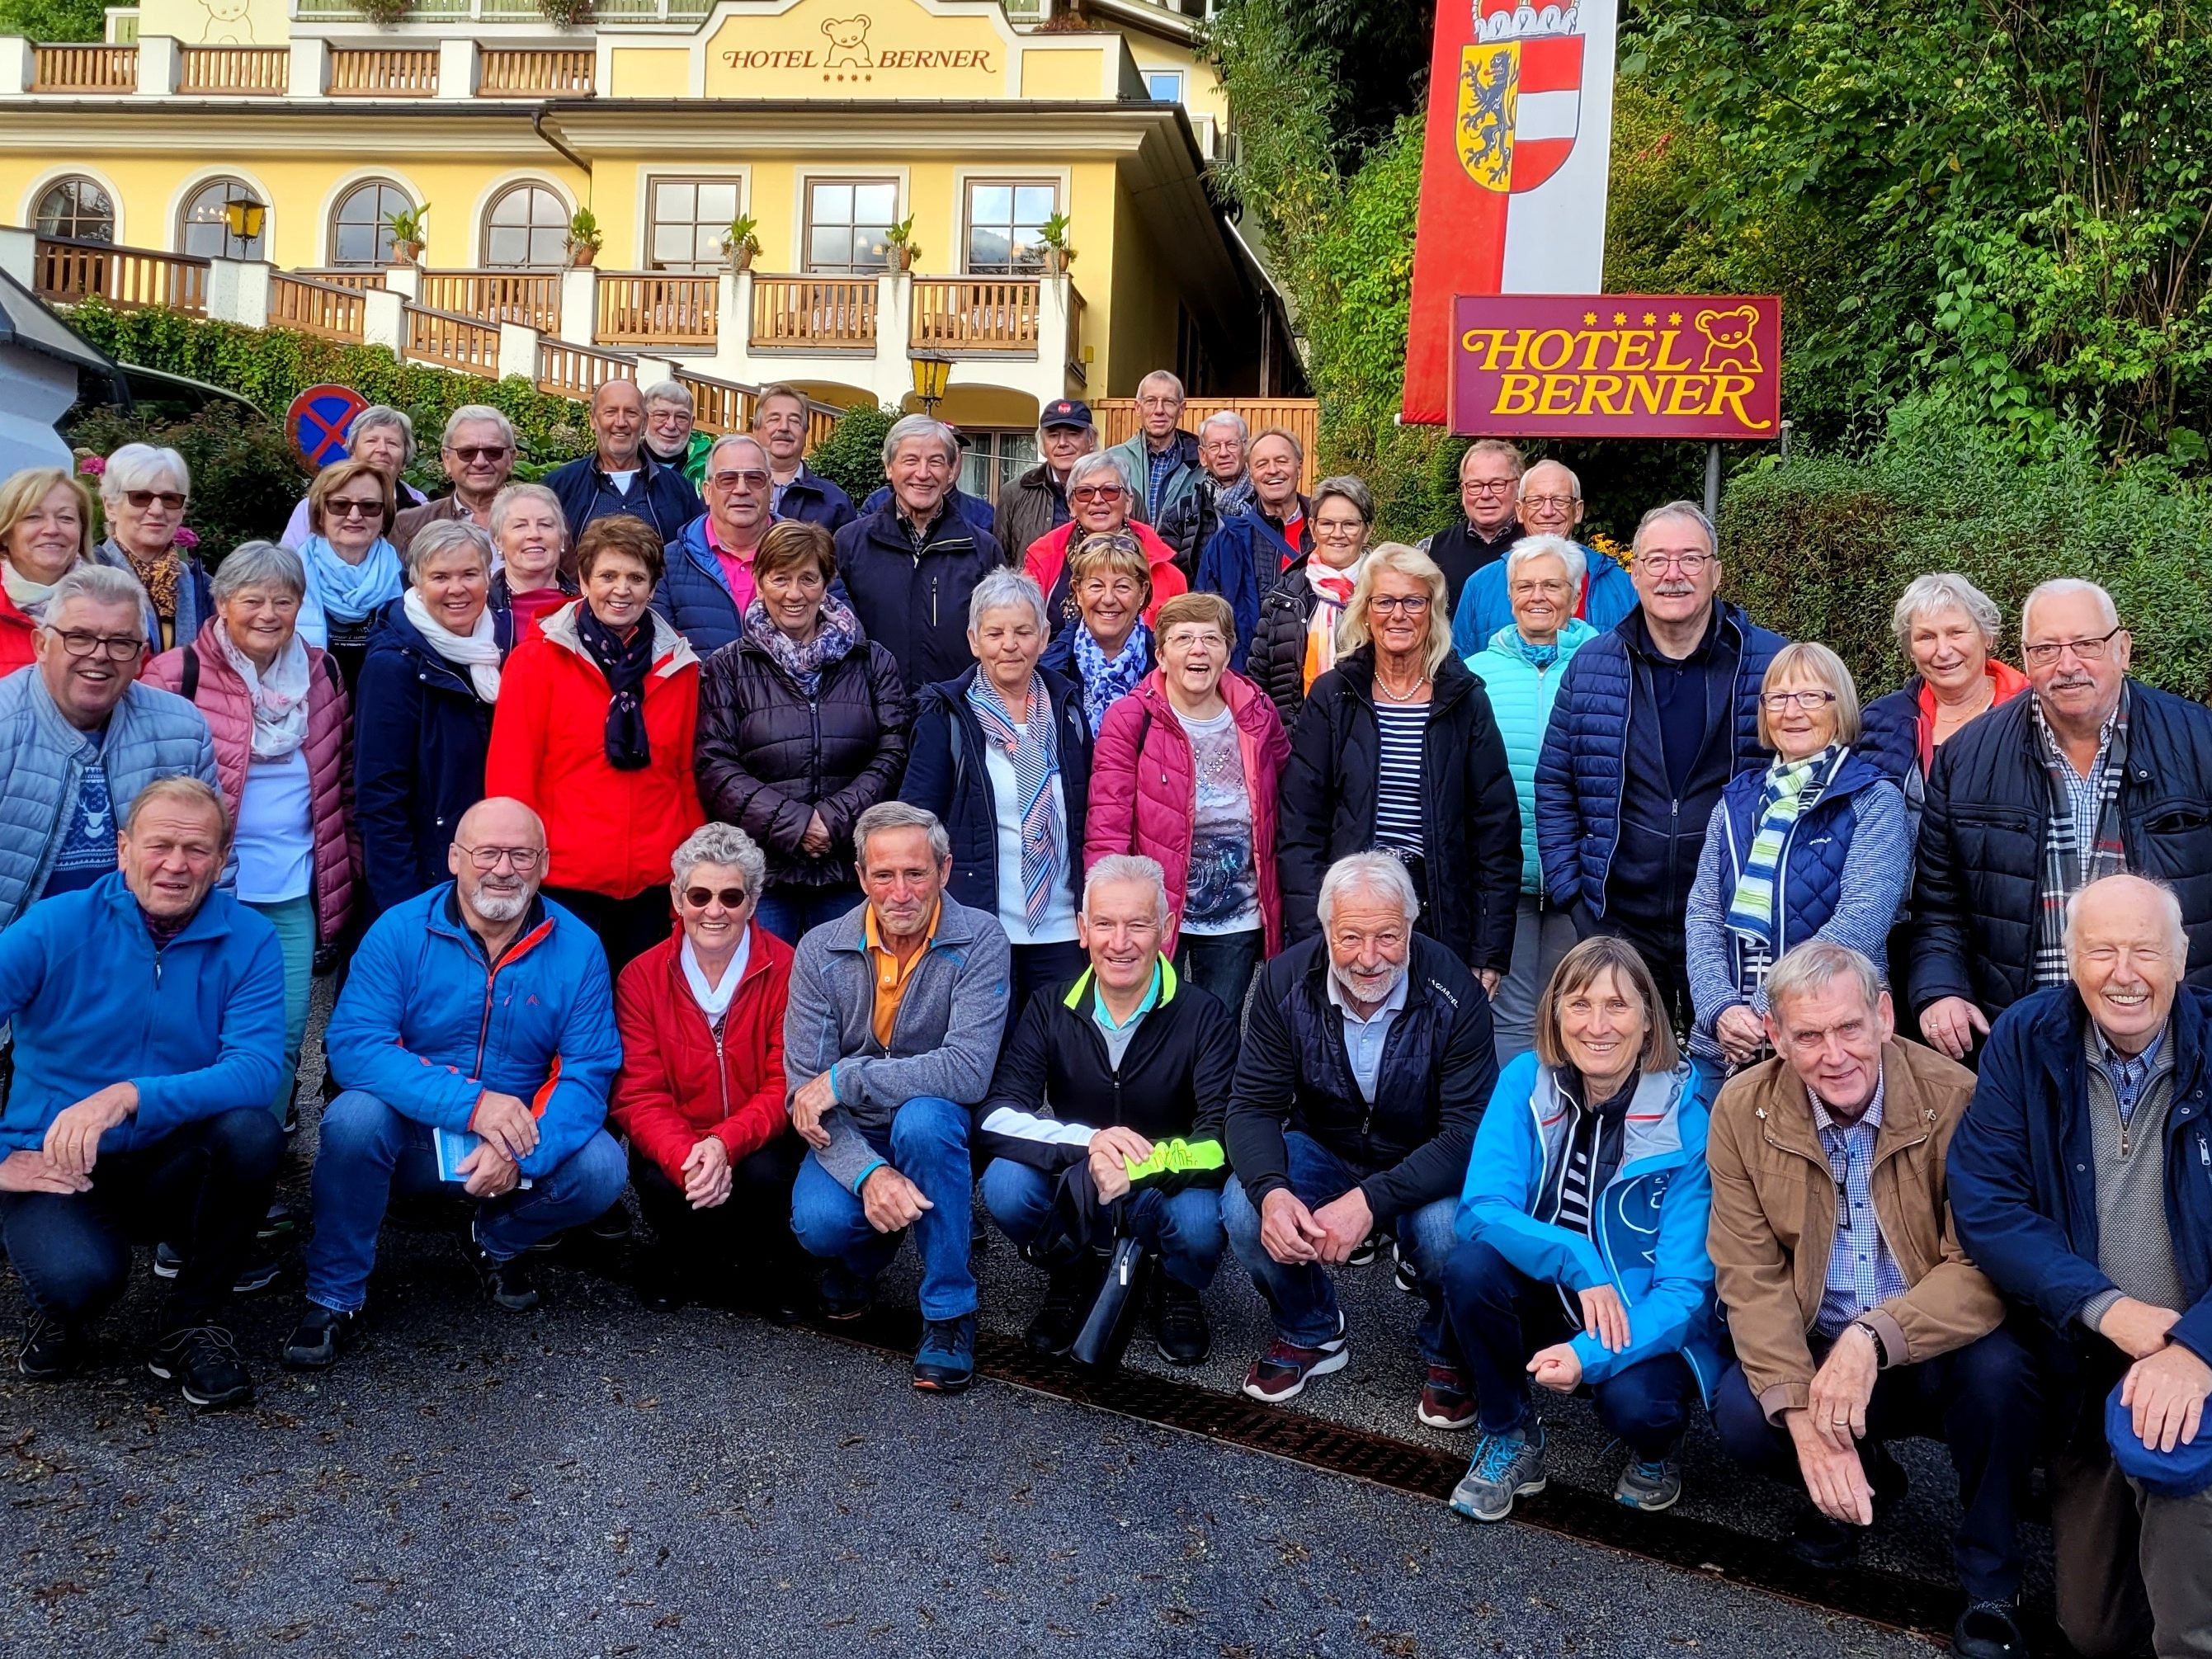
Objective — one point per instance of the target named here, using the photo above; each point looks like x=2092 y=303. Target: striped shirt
x=1398 y=781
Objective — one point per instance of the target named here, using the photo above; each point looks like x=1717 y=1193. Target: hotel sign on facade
x=858 y=49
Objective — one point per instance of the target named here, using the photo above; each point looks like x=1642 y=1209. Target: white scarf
x=715 y=1000
x=26 y=595
x=279 y=697
x=477 y=650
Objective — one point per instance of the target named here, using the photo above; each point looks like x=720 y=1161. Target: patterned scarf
x=279 y=696
x=1034 y=748
x=839 y=631
x=1789 y=792
x=159 y=576
x=2072 y=861
x=625 y=663
x=1106 y=680
x=1332 y=593
x=1233 y=497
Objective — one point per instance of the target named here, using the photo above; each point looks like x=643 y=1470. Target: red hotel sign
x=1616 y=366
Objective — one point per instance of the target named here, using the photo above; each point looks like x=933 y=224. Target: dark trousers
x=1982 y=1401
x=627 y=928
x=1222 y=964
x=1667 y=954
x=1042 y=968
x=204 y=1188
x=791 y=913
x=742 y=1241
x=1501 y=1317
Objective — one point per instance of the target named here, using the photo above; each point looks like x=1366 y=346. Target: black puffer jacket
x=1978 y=888
x=1470 y=815
x=1276 y=664
x=769 y=756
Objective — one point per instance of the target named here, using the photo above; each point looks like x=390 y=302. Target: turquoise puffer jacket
x=1521 y=696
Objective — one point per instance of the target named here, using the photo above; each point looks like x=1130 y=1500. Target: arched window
x=526 y=228
x=76 y=207
x=361 y=235
x=203 y=227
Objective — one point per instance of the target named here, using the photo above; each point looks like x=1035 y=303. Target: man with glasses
x=1551 y=505
x=1652 y=721
x=671 y=436
x=709 y=580
x=1223 y=489
x=2091 y=774
x=801 y=493
x=478 y=451
x=619 y=475
x=81 y=735
x=476 y=1037
x=1489 y=490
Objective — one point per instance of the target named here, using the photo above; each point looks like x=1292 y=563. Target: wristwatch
x=1881 y=1348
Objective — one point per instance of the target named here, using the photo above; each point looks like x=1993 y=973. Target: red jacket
x=16 y=630
x=674 y=1089
x=1143 y=790
x=1046 y=562
x=606 y=831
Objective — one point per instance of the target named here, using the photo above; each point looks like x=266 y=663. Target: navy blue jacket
x=695 y=595
x=419 y=737
x=946 y=771
x=661 y=495
x=1242 y=561
x=971 y=509
x=2023 y=1192
x=812 y=499
x=1890 y=737
x=915 y=604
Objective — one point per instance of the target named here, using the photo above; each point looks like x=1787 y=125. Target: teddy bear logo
x=848 y=43
x=227 y=23
x=1728 y=344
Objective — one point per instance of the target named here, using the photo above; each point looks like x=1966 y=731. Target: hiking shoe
x=1988 y=1630
x=50 y=1349
x=203 y=1361
x=1401 y=1271
x=1367 y=1249
x=511 y=1284
x=1283 y=1370
x=258 y=1274
x=1649 y=1487
x=1068 y=1294
x=1446 y=1400
x=946 y=1362
x=317 y=1338
x=1179 y=1328
x=613 y=1225
x=845 y=1295
x=1505 y=1466
x=659 y=1286
x=1823 y=1543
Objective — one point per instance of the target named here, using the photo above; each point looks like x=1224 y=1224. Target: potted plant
x=407 y=237
x=900 y=239
x=740 y=243
x=584 y=237
x=565 y=14
x=1052 y=233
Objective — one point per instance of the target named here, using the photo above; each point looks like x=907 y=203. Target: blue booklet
x=451 y=1148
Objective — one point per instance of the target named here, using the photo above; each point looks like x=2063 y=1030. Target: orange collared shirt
x=891 y=973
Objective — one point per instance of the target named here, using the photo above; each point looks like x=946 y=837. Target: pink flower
x=185 y=540
x=92 y=466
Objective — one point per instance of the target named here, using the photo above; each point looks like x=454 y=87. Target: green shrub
x=852 y=456
x=245 y=478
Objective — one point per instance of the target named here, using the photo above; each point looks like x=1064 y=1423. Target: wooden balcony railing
x=66 y=270
x=719 y=406
x=966 y=313
x=538 y=73
x=352 y=278
x=452 y=342
x=1118 y=421
x=655 y=308
x=814 y=312
x=575 y=371
x=383 y=72
x=252 y=71
x=322 y=309
x=84 y=69
x=497 y=296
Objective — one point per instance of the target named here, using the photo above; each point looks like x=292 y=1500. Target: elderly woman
x=701 y=1095
x=283 y=754
x=1296 y=642
x=143 y=493
x=1521 y=667
x=1100 y=497
x=1949 y=629
x=1186 y=774
x=1815 y=845
x=1002 y=756
x=1109 y=647
x=802 y=728
x=530 y=543
x=45 y=533
x=1581 y=1261
x=353 y=569
x=597 y=718
x=423 y=711
x=385 y=438
x=1396 y=748
x=1244 y=559
x=711 y=581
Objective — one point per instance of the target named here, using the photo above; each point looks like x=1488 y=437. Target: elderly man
x=780 y=422
x=477 y=452
x=1160 y=457
x=709 y=580
x=476 y=1037
x=893 y=1026
x=1551 y=505
x=1035 y=503
x=1489 y=491
x=619 y=475
x=2092 y=774
x=1224 y=488
x=1366 y=1064
x=148 y=1017
x=2082 y=1183
x=670 y=435
x=81 y=735
x=910 y=565
x=1652 y=721
x=1111 y=1093
x=1856 y=1316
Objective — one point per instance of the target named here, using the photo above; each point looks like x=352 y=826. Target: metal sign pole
x=1713 y=479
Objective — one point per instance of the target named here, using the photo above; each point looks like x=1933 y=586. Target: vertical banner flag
x=1513 y=172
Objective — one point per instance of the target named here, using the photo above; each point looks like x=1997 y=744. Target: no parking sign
x=318 y=423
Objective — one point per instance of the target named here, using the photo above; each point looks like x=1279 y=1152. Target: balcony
x=94 y=70
x=235 y=71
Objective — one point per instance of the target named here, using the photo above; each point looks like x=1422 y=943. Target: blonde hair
x=1395 y=558
x=25 y=490
x=1811 y=660
x=1108 y=552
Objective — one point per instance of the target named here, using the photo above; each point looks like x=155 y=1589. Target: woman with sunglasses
x=385 y=438
x=1100 y=497
x=1815 y=845
x=353 y=569
x=143 y=491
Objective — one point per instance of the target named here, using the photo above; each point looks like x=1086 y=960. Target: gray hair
x=98 y=583
x=1945 y=590
x=1089 y=434
x=1376 y=874
x=1226 y=417
x=1098 y=461
x=1163 y=377
x=470 y=414
x=899 y=815
x=1816 y=965
x=259 y=564
x=443 y=536
x=1127 y=866
x=140 y=466
x=1567 y=552
x=2062 y=588
x=724 y=844
x=2169 y=904
x=1002 y=589
x=1573 y=482
x=908 y=427
x=1345 y=488
x=729 y=438
x=503 y=503
x=669 y=392
x=1689 y=510
x=383 y=414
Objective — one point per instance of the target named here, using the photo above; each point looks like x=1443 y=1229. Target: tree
x=54 y=20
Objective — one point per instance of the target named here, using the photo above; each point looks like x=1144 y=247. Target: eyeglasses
x=751 y=478
x=699 y=899
x=1096 y=493
x=1411 y=604
x=1550 y=503
x=1524 y=590
x=473 y=453
x=352 y=509
x=1487 y=486
x=524 y=859
x=173 y=500
x=1811 y=702
x=2047 y=651
x=1690 y=564
x=116 y=647
x=1338 y=526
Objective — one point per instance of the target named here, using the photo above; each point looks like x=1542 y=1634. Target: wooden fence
x=312 y=308
x=84 y=69
x=496 y=296
x=252 y=71
x=645 y=308
x=575 y=371
x=1300 y=417
x=65 y=270
x=383 y=72
x=965 y=313
x=450 y=341
x=813 y=310
x=535 y=73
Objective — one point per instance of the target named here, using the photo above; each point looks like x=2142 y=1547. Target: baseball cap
x=2182 y=1473
x=1066 y=411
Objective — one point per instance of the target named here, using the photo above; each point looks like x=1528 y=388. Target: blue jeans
x=926 y=1143
x=1302 y=1298
x=1184 y=1227
x=295 y=923
x=1222 y=965
x=791 y=913
x=370 y=1152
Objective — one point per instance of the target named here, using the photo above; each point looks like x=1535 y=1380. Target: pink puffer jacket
x=1143 y=790
x=221 y=697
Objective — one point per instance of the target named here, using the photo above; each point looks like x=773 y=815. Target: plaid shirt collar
x=1833 y=1134
x=2128 y=1074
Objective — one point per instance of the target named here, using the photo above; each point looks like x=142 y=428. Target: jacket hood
x=1653 y=1127
x=672 y=652
x=1507 y=640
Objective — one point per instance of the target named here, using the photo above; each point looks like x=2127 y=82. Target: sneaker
x=1068 y=1294
x=1179 y=1328
x=613 y=1225
x=1988 y=1630
x=1446 y=1400
x=845 y=1295
x=946 y=1362
x=1367 y=1249
x=203 y=1361
x=1505 y=1466
x=1401 y=1271
x=256 y=1275
x=511 y=1284
x=1651 y=1486
x=282 y=1222
x=291 y=1117
x=51 y=1349
x=317 y=1338
x=659 y=1286
x=1283 y=1370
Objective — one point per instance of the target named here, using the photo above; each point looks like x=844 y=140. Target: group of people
x=1156 y=855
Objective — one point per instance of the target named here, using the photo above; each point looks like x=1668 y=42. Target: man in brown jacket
x=1856 y=1317
x=477 y=451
